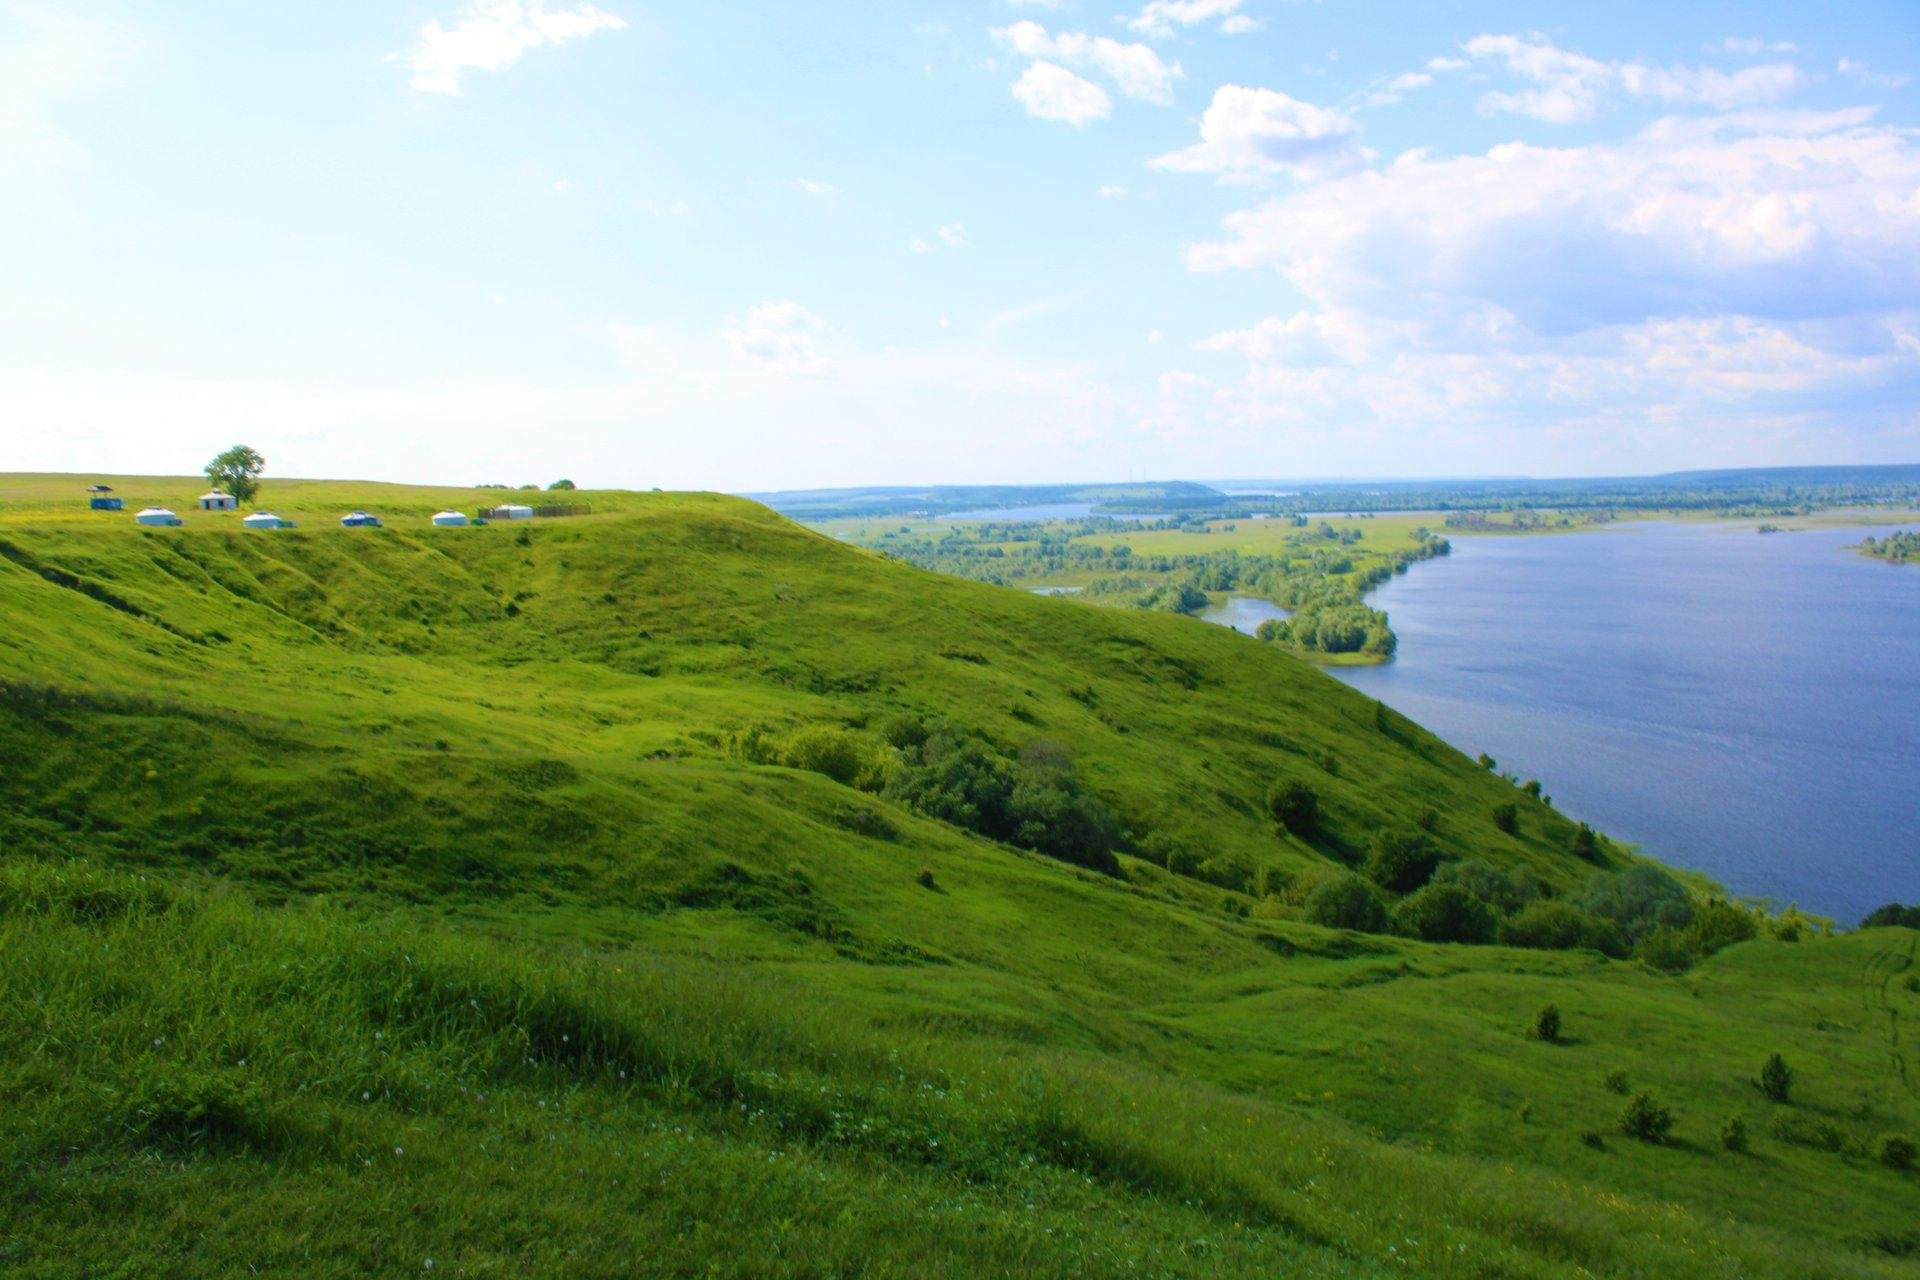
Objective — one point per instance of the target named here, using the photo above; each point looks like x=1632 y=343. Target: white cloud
x=1753 y=46
x=1565 y=86
x=1773 y=213
x=49 y=57
x=1389 y=91
x=1251 y=133
x=1159 y=18
x=815 y=187
x=1111 y=192
x=1051 y=92
x=1867 y=75
x=1135 y=69
x=781 y=337
x=954 y=236
x=1685 y=290
x=492 y=35
x=1240 y=24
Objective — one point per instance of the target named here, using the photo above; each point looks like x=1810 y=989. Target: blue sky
x=760 y=245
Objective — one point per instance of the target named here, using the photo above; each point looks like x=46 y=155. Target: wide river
x=1741 y=704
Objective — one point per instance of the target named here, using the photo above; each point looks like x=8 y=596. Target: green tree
x=1346 y=902
x=237 y=470
x=1733 y=1134
x=1507 y=817
x=1402 y=861
x=1296 y=806
x=1646 y=1119
x=1585 y=844
x=1546 y=1024
x=1445 y=913
x=1776 y=1078
x=562 y=484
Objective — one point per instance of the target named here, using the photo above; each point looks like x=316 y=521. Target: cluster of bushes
x=1404 y=886
x=1340 y=626
x=1035 y=801
x=1892 y=915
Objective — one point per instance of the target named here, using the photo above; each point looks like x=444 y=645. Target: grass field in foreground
x=378 y=896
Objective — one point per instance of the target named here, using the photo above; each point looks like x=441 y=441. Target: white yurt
x=214 y=500
x=157 y=516
x=514 y=511
x=448 y=518
x=265 y=520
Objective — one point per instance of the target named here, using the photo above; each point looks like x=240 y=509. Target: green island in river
x=670 y=889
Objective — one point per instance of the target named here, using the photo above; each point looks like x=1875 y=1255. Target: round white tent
x=448 y=518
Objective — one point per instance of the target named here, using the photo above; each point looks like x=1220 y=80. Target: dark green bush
x=1616 y=1082
x=1402 y=861
x=1585 y=844
x=1445 y=913
x=1646 y=1119
x=1036 y=802
x=1891 y=916
x=1733 y=1134
x=1507 y=817
x=1896 y=1151
x=1666 y=950
x=1505 y=891
x=1546 y=1024
x=1638 y=899
x=1296 y=806
x=1776 y=1079
x=1346 y=901
x=1560 y=926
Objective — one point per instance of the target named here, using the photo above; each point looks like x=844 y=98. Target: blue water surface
x=1747 y=705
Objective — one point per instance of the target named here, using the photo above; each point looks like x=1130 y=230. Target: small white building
x=514 y=511
x=214 y=500
x=266 y=520
x=157 y=516
x=360 y=520
x=448 y=519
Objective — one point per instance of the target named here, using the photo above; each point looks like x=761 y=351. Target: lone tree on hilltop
x=238 y=472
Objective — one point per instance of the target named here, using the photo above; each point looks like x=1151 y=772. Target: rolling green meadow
x=584 y=897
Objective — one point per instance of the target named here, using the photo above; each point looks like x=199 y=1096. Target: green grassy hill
x=373 y=897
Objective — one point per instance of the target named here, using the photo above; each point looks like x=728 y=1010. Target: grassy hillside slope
x=379 y=896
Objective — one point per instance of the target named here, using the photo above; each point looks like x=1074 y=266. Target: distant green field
x=378 y=897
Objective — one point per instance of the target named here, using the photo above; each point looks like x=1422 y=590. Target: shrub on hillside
x=1402 y=861
x=1546 y=1024
x=1896 y=1151
x=1560 y=926
x=1228 y=871
x=1776 y=1079
x=1504 y=891
x=1666 y=950
x=1346 y=901
x=1646 y=1119
x=1507 y=817
x=1638 y=899
x=846 y=757
x=1036 y=802
x=1893 y=915
x=1585 y=843
x=1445 y=913
x=1296 y=806
x=1733 y=1134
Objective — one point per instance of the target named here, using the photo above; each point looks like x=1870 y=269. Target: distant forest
x=1776 y=491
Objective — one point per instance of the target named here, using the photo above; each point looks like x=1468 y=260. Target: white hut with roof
x=449 y=519
x=214 y=500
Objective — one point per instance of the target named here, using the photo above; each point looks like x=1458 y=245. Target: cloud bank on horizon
x=1012 y=240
